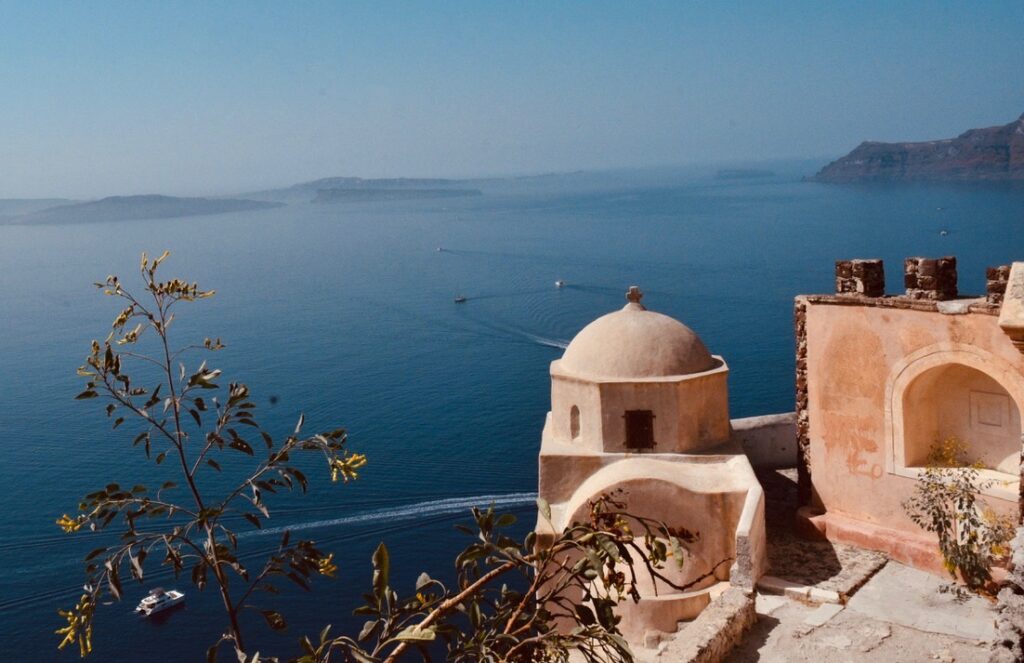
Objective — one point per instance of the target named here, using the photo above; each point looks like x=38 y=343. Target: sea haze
x=345 y=312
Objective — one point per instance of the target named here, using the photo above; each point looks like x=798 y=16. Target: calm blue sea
x=346 y=313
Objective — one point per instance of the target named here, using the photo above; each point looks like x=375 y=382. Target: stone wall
x=715 y=632
x=860 y=277
x=803 y=440
x=1009 y=644
x=929 y=284
x=930 y=278
x=996 y=279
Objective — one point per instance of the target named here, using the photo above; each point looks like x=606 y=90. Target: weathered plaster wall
x=768 y=440
x=567 y=392
x=858 y=354
x=690 y=411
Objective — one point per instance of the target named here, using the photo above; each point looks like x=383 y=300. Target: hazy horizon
x=196 y=99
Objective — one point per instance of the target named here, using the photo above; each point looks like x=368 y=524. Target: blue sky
x=106 y=98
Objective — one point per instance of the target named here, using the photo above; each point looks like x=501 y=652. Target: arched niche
x=957 y=401
x=961 y=391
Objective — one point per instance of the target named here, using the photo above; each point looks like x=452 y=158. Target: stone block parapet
x=930 y=278
x=996 y=279
x=860 y=277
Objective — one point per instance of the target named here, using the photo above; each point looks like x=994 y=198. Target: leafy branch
x=972 y=537
x=517 y=602
x=192 y=530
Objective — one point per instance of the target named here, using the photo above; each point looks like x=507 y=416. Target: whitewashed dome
x=636 y=343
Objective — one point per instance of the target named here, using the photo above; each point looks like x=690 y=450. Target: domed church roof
x=636 y=343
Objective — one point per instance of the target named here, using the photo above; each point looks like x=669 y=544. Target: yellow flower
x=69 y=524
x=346 y=467
x=79 y=625
x=326 y=566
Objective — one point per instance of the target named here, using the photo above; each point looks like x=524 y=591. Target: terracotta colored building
x=880 y=379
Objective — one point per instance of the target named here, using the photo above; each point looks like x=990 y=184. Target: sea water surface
x=345 y=313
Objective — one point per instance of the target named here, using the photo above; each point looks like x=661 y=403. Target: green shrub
x=972 y=537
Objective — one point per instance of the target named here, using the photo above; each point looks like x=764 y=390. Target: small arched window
x=574 y=422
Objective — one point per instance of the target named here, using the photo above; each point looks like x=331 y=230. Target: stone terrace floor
x=830 y=602
x=888 y=612
x=898 y=615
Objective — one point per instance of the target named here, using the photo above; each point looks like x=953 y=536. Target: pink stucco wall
x=861 y=362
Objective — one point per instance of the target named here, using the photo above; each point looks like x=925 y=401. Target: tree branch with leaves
x=188 y=529
x=518 y=601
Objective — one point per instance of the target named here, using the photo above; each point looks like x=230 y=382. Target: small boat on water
x=459 y=299
x=559 y=283
x=159 y=600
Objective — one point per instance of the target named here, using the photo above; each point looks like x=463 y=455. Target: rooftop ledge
x=960 y=305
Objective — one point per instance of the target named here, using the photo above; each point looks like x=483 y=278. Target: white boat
x=459 y=299
x=159 y=600
x=559 y=283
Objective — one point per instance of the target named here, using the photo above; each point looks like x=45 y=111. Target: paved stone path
x=898 y=615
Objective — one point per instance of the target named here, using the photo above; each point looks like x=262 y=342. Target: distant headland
x=992 y=154
x=123 y=208
x=372 y=194
x=358 y=189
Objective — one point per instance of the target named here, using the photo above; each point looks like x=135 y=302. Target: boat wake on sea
x=379 y=521
x=444 y=507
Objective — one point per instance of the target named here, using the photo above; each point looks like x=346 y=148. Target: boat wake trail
x=450 y=506
x=511 y=331
x=378 y=521
x=550 y=342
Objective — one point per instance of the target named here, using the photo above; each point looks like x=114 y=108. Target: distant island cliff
x=374 y=194
x=358 y=189
x=993 y=154
x=123 y=208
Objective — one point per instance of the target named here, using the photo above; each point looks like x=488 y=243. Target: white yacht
x=159 y=600
x=559 y=283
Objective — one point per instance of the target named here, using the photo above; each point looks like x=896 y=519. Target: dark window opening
x=639 y=429
x=574 y=422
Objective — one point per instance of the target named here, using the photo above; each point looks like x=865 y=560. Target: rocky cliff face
x=991 y=154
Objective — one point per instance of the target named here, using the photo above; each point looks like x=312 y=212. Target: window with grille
x=639 y=429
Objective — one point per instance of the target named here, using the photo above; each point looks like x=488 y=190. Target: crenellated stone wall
x=803 y=440
x=930 y=282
